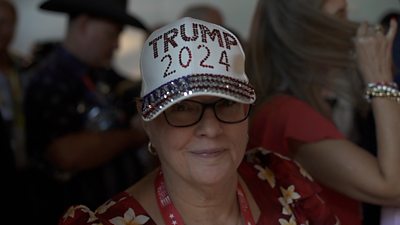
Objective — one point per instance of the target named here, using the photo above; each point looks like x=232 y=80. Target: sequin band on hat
x=164 y=96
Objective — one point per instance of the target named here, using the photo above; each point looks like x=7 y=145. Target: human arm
x=63 y=134
x=87 y=149
x=343 y=165
x=349 y=169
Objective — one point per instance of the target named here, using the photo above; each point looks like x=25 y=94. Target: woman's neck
x=206 y=204
x=223 y=208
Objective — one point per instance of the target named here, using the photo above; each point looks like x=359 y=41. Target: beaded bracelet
x=383 y=83
x=382 y=89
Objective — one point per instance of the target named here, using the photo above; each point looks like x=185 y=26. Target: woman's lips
x=209 y=153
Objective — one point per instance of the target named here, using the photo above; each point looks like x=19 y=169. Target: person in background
x=9 y=169
x=81 y=143
x=194 y=106
x=8 y=158
x=303 y=53
x=12 y=118
x=390 y=215
x=372 y=212
x=204 y=12
x=40 y=51
x=12 y=84
x=210 y=14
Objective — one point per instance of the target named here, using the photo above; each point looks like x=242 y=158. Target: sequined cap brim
x=164 y=96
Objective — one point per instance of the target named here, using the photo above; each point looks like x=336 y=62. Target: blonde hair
x=296 y=48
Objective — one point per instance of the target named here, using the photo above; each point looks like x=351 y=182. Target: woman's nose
x=209 y=125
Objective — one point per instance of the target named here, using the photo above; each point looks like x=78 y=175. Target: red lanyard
x=89 y=84
x=171 y=215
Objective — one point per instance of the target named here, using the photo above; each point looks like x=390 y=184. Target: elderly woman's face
x=204 y=153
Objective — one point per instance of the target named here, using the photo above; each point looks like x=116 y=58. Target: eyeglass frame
x=212 y=105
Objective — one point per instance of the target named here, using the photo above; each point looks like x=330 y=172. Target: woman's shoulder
x=123 y=208
x=281 y=184
x=285 y=103
x=295 y=117
x=280 y=172
x=284 y=108
x=261 y=157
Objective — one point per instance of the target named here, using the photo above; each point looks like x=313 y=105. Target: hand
x=374 y=52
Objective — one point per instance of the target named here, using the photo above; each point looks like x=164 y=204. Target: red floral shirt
x=285 y=117
x=284 y=192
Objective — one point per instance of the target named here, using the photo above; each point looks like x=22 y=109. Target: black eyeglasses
x=189 y=112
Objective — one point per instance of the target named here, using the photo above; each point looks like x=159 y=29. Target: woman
x=195 y=101
x=302 y=54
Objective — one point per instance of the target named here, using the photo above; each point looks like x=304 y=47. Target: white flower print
x=266 y=174
x=103 y=208
x=71 y=211
x=286 y=210
x=289 y=194
x=130 y=219
x=292 y=221
x=92 y=216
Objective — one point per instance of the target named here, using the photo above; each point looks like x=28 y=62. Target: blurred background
x=36 y=26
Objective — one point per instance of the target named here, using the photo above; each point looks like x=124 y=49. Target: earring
x=151 y=149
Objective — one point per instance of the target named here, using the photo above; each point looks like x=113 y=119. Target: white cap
x=191 y=57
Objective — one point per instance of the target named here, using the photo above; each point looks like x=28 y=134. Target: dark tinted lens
x=183 y=113
x=230 y=111
x=188 y=112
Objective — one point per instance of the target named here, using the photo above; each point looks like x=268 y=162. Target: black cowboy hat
x=110 y=9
